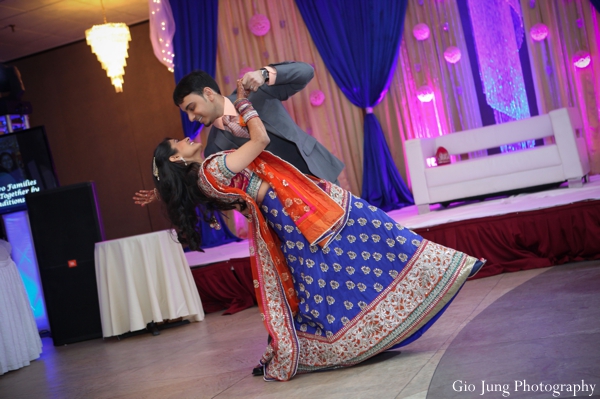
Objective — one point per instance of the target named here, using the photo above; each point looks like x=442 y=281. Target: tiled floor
x=213 y=358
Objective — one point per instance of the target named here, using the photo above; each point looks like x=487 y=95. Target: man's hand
x=253 y=80
x=144 y=197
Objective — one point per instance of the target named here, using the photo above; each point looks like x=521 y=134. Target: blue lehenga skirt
x=377 y=285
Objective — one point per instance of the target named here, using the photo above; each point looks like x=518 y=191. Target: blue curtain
x=596 y=4
x=359 y=42
x=195 y=47
x=194 y=44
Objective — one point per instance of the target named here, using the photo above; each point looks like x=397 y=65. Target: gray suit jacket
x=288 y=140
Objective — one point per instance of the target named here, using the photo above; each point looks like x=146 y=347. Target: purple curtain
x=359 y=42
x=195 y=47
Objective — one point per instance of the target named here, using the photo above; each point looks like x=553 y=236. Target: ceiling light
x=110 y=42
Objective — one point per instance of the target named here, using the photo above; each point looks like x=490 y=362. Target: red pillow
x=441 y=156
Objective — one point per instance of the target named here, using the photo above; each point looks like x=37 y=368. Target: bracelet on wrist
x=241 y=101
x=250 y=115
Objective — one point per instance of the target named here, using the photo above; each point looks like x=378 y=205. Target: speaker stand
x=154 y=328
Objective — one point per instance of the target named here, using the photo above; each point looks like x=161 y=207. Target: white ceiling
x=44 y=24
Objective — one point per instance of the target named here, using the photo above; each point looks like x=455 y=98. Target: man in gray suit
x=198 y=95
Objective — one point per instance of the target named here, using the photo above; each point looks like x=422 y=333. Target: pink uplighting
x=538 y=32
x=425 y=93
x=421 y=31
x=581 y=59
x=452 y=54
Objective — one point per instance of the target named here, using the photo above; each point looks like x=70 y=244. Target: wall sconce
x=425 y=93
x=581 y=59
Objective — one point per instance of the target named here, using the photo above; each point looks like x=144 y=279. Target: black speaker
x=65 y=225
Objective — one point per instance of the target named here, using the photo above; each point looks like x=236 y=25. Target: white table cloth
x=144 y=278
x=20 y=341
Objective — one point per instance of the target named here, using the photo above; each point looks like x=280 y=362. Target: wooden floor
x=214 y=359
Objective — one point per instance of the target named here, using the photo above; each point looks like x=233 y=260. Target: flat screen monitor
x=26 y=166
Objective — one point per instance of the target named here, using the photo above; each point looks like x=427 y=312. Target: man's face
x=204 y=109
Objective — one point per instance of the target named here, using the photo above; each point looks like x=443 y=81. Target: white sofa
x=565 y=160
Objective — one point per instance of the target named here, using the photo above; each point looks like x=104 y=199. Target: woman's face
x=7 y=162
x=185 y=148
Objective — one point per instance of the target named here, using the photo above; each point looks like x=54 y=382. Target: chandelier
x=110 y=42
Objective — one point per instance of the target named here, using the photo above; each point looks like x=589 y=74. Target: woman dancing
x=337 y=280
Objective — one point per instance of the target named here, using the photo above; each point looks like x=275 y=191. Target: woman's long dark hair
x=177 y=185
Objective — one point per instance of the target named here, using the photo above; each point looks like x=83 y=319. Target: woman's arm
x=242 y=157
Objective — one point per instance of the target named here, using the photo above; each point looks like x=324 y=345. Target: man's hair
x=194 y=82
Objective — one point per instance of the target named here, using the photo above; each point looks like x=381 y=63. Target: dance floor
x=522 y=324
x=513 y=233
x=534 y=326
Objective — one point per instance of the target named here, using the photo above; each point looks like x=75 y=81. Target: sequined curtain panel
x=498 y=34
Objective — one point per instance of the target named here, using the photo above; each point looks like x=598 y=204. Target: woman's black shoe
x=258 y=371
